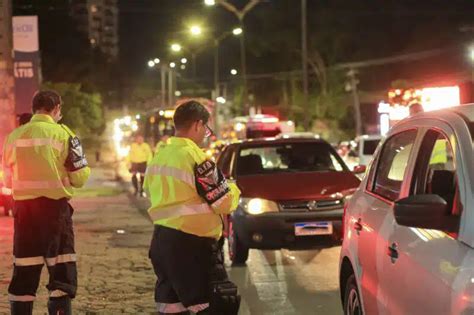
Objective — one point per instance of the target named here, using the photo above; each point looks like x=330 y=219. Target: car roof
x=465 y=110
x=269 y=141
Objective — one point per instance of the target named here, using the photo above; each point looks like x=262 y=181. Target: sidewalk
x=112 y=239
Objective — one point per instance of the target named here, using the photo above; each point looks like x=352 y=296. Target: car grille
x=311 y=205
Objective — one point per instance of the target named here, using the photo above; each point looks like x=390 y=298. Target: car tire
x=352 y=301
x=238 y=252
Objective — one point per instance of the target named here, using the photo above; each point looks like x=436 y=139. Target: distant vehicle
x=366 y=146
x=6 y=199
x=409 y=239
x=292 y=135
x=254 y=127
x=293 y=191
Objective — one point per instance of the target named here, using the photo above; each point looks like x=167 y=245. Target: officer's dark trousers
x=43 y=235
x=183 y=264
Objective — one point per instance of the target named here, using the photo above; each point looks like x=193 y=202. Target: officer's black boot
x=21 y=308
x=60 y=306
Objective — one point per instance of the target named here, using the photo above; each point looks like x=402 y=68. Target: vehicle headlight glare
x=257 y=206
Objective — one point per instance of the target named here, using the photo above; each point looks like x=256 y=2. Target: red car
x=293 y=193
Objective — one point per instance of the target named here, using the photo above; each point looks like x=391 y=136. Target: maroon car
x=293 y=193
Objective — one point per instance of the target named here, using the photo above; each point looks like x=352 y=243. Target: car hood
x=298 y=186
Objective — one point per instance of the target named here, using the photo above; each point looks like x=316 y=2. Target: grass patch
x=90 y=192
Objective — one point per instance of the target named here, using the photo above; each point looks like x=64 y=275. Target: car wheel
x=352 y=302
x=238 y=252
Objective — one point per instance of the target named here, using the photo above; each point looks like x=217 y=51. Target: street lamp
x=156 y=61
x=233 y=72
x=210 y=2
x=151 y=63
x=172 y=65
x=184 y=60
x=176 y=47
x=196 y=30
x=237 y=31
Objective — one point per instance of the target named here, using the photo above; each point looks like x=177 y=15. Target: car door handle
x=358 y=226
x=393 y=252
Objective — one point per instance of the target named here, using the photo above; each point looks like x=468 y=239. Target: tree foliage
x=83 y=112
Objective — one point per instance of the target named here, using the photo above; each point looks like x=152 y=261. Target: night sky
x=340 y=30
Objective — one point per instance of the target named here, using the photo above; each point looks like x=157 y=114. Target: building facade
x=99 y=20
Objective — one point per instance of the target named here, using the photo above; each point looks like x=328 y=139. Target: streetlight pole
x=304 y=60
x=163 y=86
x=243 y=62
x=240 y=14
x=170 y=87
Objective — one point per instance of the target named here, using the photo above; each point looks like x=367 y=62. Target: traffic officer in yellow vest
x=188 y=196
x=43 y=161
x=139 y=156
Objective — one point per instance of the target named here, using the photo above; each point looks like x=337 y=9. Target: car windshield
x=370 y=146
x=297 y=157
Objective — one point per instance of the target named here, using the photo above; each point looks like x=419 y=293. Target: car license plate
x=313 y=228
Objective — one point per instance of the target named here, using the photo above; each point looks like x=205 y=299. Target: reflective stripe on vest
x=178 y=211
x=28 y=143
x=40 y=184
x=21 y=298
x=170 y=308
x=28 y=261
x=172 y=172
x=61 y=259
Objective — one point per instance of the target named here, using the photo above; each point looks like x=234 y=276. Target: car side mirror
x=359 y=169
x=426 y=212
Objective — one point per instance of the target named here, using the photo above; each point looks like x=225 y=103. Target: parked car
x=6 y=199
x=366 y=146
x=409 y=239
x=293 y=190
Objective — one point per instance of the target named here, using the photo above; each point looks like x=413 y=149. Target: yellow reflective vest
x=175 y=203
x=33 y=161
x=140 y=153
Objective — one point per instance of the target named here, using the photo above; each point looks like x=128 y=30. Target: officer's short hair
x=188 y=113
x=46 y=100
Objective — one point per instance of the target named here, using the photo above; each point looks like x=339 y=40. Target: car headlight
x=258 y=206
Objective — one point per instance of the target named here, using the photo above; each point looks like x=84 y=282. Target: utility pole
x=353 y=87
x=170 y=87
x=304 y=60
x=163 y=87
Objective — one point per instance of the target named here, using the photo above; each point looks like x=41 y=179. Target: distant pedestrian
x=415 y=108
x=43 y=162
x=139 y=156
x=162 y=142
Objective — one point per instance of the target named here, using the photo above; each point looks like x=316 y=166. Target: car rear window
x=297 y=157
x=370 y=146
